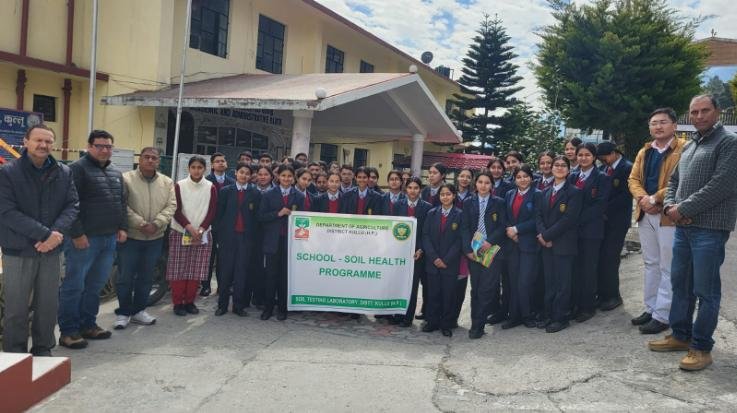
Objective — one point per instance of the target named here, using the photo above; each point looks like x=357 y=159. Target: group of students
x=560 y=229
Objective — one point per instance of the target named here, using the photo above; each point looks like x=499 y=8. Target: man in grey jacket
x=702 y=201
x=38 y=203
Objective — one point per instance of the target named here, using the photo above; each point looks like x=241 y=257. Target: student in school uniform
x=499 y=309
x=274 y=210
x=361 y=200
x=595 y=186
x=236 y=230
x=570 y=152
x=435 y=176
x=543 y=181
x=373 y=181
x=413 y=206
x=331 y=200
x=557 y=234
x=441 y=240
x=523 y=248
x=512 y=160
x=264 y=183
x=464 y=184
x=321 y=183
x=486 y=214
x=618 y=218
x=346 y=178
x=391 y=198
x=545 y=165
x=303 y=181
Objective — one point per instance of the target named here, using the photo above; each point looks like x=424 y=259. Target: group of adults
x=560 y=226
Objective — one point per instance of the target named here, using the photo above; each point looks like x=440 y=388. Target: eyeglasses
x=659 y=123
x=101 y=147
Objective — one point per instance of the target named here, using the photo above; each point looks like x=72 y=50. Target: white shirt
x=657 y=148
x=334 y=196
x=219 y=178
x=362 y=194
x=558 y=187
x=285 y=192
x=582 y=176
x=241 y=187
x=445 y=212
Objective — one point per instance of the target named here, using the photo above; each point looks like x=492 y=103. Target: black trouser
x=213 y=261
x=233 y=263
x=483 y=281
x=460 y=290
x=417 y=275
x=441 y=299
x=538 y=294
x=276 y=277
x=257 y=275
x=609 y=260
x=500 y=301
x=522 y=273
x=584 y=274
x=558 y=272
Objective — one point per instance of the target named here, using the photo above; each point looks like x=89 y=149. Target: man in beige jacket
x=648 y=183
x=151 y=205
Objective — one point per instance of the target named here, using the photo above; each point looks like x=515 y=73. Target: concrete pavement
x=325 y=362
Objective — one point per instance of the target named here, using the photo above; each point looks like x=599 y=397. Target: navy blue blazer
x=421 y=209
x=619 y=205
x=313 y=202
x=227 y=212
x=526 y=220
x=229 y=180
x=321 y=203
x=445 y=245
x=504 y=187
x=595 y=195
x=494 y=218
x=371 y=207
x=459 y=202
x=537 y=183
x=432 y=200
x=385 y=203
x=558 y=222
x=271 y=204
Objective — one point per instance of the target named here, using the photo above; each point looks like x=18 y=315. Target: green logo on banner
x=401 y=231
x=302 y=222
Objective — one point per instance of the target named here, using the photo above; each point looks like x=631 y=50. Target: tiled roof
x=451 y=160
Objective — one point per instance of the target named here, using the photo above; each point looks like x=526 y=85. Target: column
x=418 y=142
x=301 y=131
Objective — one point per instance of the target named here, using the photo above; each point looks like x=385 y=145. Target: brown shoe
x=669 y=343
x=96 y=333
x=74 y=342
x=696 y=360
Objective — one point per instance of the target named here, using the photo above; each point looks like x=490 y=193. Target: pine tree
x=488 y=82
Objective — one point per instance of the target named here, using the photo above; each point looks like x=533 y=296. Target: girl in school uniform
x=500 y=185
x=499 y=307
x=435 y=176
x=441 y=239
x=236 y=229
x=544 y=181
x=557 y=234
x=545 y=166
x=595 y=186
x=464 y=181
x=405 y=178
x=276 y=206
x=486 y=214
x=264 y=182
x=361 y=200
x=330 y=201
x=391 y=198
x=523 y=247
x=570 y=151
x=303 y=178
x=190 y=241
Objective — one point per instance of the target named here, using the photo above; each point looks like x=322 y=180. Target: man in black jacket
x=38 y=203
x=89 y=255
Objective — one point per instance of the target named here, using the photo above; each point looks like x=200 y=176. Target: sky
x=446 y=27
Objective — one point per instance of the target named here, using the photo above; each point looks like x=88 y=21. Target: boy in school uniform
x=361 y=200
x=219 y=179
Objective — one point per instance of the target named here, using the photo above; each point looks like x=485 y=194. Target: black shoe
x=510 y=324
x=266 y=314
x=544 y=323
x=429 y=328
x=281 y=315
x=241 y=312
x=420 y=316
x=447 y=332
x=496 y=319
x=41 y=353
x=179 y=310
x=395 y=320
x=454 y=326
x=584 y=316
x=407 y=322
x=653 y=327
x=205 y=291
x=610 y=304
x=220 y=311
x=191 y=308
x=475 y=333
x=556 y=326
x=642 y=319
x=530 y=323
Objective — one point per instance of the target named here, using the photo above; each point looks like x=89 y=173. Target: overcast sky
x=446 y=27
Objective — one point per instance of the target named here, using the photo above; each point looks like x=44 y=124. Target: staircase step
x=15 y=368
x=26 y=380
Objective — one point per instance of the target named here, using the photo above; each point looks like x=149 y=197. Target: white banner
x=350 y=263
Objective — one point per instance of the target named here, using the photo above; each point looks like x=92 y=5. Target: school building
x=282 y=76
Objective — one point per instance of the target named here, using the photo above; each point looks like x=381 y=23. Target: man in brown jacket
x=648 y=183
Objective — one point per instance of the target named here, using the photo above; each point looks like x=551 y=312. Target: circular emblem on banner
x=401 y=231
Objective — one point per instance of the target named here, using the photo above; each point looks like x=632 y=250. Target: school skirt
x=190 y=262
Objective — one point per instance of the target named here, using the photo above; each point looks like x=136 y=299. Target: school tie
x=609 y=171
x=482 y=213
x=581 y=182
x=443 y=219
x=333 y=197
x=552 y=198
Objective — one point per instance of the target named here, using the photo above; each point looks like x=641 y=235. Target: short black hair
x=151 y=149
x=514 y=154
x=284 y=167
x=244 y=165
x=245 y=153
x=313 y=163
x=300 y=154
x=665 y=111
x=363 y=170
x=197 y=158
x=99 y=134
x=524 y=168
x=215 y=155
x=415 y=179
x=589 y=146
x=346 y=166
x=266 y=155
x=712 y=98
x=39 y=126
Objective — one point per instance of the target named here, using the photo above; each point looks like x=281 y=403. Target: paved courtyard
x=325 y=362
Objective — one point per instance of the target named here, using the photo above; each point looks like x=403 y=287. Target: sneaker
x=695 y=360
x=121 y=322
x=669 y=343
x=144 y=318
x=73 y=341
x=96 y=333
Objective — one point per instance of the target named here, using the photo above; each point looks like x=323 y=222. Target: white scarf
x=195 y=198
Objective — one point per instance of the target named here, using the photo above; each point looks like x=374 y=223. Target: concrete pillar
x=301 y=132
x=418 y=147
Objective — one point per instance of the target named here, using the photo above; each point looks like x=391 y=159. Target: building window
x=334 y=60
x=209 y=30
x=328 y=153
x=366 y=67
x=270 y=51
x=360 y=157
x=46 y=105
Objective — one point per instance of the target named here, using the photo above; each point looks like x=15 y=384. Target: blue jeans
x=137 y=260
x=697 y=255
x=86 y=273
